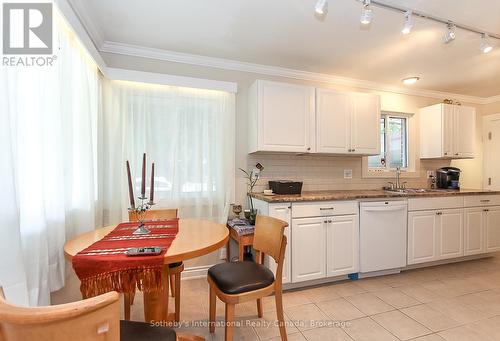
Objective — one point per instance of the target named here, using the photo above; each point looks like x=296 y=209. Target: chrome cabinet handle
x=486 y=210
x=456 y=154
x=326 y=221
x=308 y=148
x=439 y=213
x=330 y=221
x=325 y=208
x=485 y=200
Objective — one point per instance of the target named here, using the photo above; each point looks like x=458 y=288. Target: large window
x=393 y=145
x=189 y=135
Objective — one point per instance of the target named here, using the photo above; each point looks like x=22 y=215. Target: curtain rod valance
x=172 y=80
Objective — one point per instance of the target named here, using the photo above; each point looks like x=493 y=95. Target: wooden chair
x=174 y=269
x=96 y=318
x=245 y=281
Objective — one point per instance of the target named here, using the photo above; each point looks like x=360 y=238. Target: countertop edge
x=344 y=195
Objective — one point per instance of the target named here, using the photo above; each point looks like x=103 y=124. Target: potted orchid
x=252 y=177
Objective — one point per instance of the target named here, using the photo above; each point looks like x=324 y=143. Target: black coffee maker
x=448 y=178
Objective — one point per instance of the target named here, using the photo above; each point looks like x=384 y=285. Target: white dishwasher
x=382 y=232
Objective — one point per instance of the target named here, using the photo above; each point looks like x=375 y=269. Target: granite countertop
x=364 y=194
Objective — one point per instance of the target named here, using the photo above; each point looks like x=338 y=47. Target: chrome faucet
x=398 y=176
x=398 y=185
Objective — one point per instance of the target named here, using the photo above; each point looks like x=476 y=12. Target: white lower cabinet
x=451 y=231
x=482 y=230
x=492 y=227
x=474 y=234
x=324 y=247
x=308 y=249
x=283 y=212
x=342 y=237
x=422 y=232
x=435 y=235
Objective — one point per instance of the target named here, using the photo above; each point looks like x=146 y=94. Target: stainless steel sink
x=413 y=190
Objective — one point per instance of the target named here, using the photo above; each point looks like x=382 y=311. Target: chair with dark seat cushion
x=240 y=277
x=141 y=331
x=174 y=269
x=246 y=281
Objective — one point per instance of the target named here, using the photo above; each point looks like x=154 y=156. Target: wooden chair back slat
x=268 y=236
x=96 y=318
x=167 y=213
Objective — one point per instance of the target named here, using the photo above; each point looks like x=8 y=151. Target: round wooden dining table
x=195 y=238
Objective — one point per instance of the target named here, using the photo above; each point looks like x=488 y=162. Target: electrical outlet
x=347 y=173
x=223 y=253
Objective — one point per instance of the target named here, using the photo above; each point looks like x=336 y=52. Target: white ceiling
x=286 y=33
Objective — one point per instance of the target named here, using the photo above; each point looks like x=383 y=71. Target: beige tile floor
x=451 y=302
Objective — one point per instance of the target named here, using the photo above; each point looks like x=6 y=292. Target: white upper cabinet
x=447 y=131
x=333 y=114
x=365 y=124
x=281 y=118
x=294 y=118
x=465 y=132
x=347 y=123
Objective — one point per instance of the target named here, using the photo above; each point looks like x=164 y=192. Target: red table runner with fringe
x=104 y=267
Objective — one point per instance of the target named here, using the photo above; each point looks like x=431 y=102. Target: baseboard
x=196 y=272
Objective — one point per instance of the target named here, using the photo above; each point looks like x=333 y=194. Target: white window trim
x=413 y=169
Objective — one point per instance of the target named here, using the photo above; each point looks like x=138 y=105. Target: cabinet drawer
x=327 y=208
x=436 y=203
x=482 y=200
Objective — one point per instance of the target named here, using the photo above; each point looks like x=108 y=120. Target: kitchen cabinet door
x=365 y=124
x=474 y=233
x=282 y=117
x=465 y=132
x=492 y=229
x=342 y=245
x=283 y=212
x=422 y=235
x=308 y=249
x=333 y=122
x=448 y=133
x=451 y=231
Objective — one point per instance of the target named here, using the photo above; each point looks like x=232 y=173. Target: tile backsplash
x=319 y=172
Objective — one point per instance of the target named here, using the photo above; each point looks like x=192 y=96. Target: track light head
x=486 y=46
x=321 y=7
x=450 y=34
x=408 y=23
x=366 y=13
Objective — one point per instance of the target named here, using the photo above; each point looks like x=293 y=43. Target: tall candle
x=130 y=187
x=152 y=189
x=143 y=183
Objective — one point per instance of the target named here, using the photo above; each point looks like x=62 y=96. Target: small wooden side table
x=242 y=240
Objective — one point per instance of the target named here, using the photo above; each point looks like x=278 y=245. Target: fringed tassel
x=123 y=281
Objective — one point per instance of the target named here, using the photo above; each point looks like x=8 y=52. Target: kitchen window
x=393 y=144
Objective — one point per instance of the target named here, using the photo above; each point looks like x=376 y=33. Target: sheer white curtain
x=188 y=133
x=48 y=172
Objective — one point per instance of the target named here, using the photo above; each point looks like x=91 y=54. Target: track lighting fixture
x=450 y=34
x=486 y=46
x=366 y=13
x=408 y=23
x=321 y=7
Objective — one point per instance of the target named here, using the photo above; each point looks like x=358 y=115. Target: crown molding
x=93 y=32
x=164 y=79
x=492 y=99
x=89 y=39
x=233 y=65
